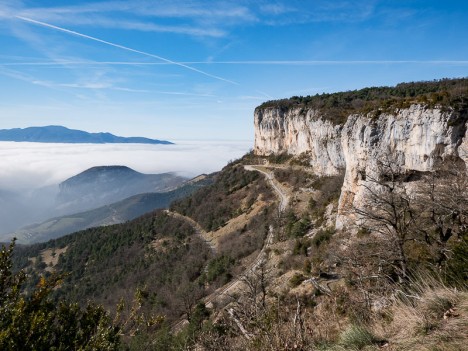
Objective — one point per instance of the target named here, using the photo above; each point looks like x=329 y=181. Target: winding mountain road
x=228 y=289
x=283 y=196
x=198 y=229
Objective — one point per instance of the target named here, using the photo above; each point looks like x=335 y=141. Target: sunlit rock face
x=416 y=139
x=295 y=131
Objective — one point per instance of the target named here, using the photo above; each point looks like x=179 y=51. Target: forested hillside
x=158 y=257
x=119 y=212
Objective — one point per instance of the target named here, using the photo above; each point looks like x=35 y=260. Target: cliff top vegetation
x=376 y=100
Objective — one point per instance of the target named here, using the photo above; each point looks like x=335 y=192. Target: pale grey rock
x=296 y=131
x=417 y=138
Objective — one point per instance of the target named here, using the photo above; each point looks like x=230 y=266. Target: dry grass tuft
x=433 y=317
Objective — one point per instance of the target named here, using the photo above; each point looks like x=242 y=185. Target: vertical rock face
x=416 y=138
x=297 y=131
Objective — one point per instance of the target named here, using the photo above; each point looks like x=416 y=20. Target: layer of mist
x=31 y=172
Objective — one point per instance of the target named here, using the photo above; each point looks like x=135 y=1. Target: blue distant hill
x=59 y=134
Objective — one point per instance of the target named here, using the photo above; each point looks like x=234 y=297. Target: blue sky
x=197 y=69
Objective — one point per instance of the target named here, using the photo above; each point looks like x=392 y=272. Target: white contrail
x=124 y=48
x=336 y=62
x=272 y=63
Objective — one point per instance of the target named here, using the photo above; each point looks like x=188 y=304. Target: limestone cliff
x=419 y=138
x=297 y=130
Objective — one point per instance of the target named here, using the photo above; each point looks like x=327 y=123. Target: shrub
x=36 y=322
x=457 y=266
x=322 y=236
x=357 y=337
x=219 y=267
x=279 y=158
x=301 y=246
x=296 y=227
x=296 y=280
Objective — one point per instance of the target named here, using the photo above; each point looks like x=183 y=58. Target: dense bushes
x=337 y=106
x=218 y=268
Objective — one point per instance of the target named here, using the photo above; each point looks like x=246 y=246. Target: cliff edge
x=419 y=125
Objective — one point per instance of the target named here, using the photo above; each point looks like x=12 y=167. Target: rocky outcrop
x=417 y=138
x=297 y=131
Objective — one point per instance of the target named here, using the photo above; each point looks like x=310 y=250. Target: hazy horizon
x=27 y=165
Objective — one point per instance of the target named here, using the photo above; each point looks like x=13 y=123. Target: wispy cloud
x=100 y=21
x=206 y=20
x=124 y=48
x=265 y=95
x=332 y=62
x=214 y=10
x=196 y=18
x=276 y=9
x=99 y=83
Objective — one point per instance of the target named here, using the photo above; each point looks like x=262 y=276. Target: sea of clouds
x=35 y=165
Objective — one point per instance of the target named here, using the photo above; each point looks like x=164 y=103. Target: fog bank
x=34 y=165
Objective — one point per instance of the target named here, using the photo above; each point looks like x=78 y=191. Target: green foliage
x=376 y=100
x=300 y=246
x=457 y=267
x=330 y=190
x=107 y=264
x=279 y=158
x=357 y=337
x=322 y=236
x=295 y=227
x=300 y=228
x=296 y=280
x=36 y=322
x=199 y=314
x=219 y=268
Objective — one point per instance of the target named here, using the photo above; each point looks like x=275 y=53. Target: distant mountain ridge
x=102 y=185
x=60 y=134
x=93 y=188
x=118 y=212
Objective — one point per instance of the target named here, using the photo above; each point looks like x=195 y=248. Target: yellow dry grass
x=436 y=320
x=236 y=223
x=51 y=256
x=161 y=245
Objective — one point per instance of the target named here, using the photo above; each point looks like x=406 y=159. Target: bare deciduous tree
x=388 y=208
x=442 y=199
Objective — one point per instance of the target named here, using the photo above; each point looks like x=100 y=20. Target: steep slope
x=160 y=253
x=59 y=134
x=114 y=213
